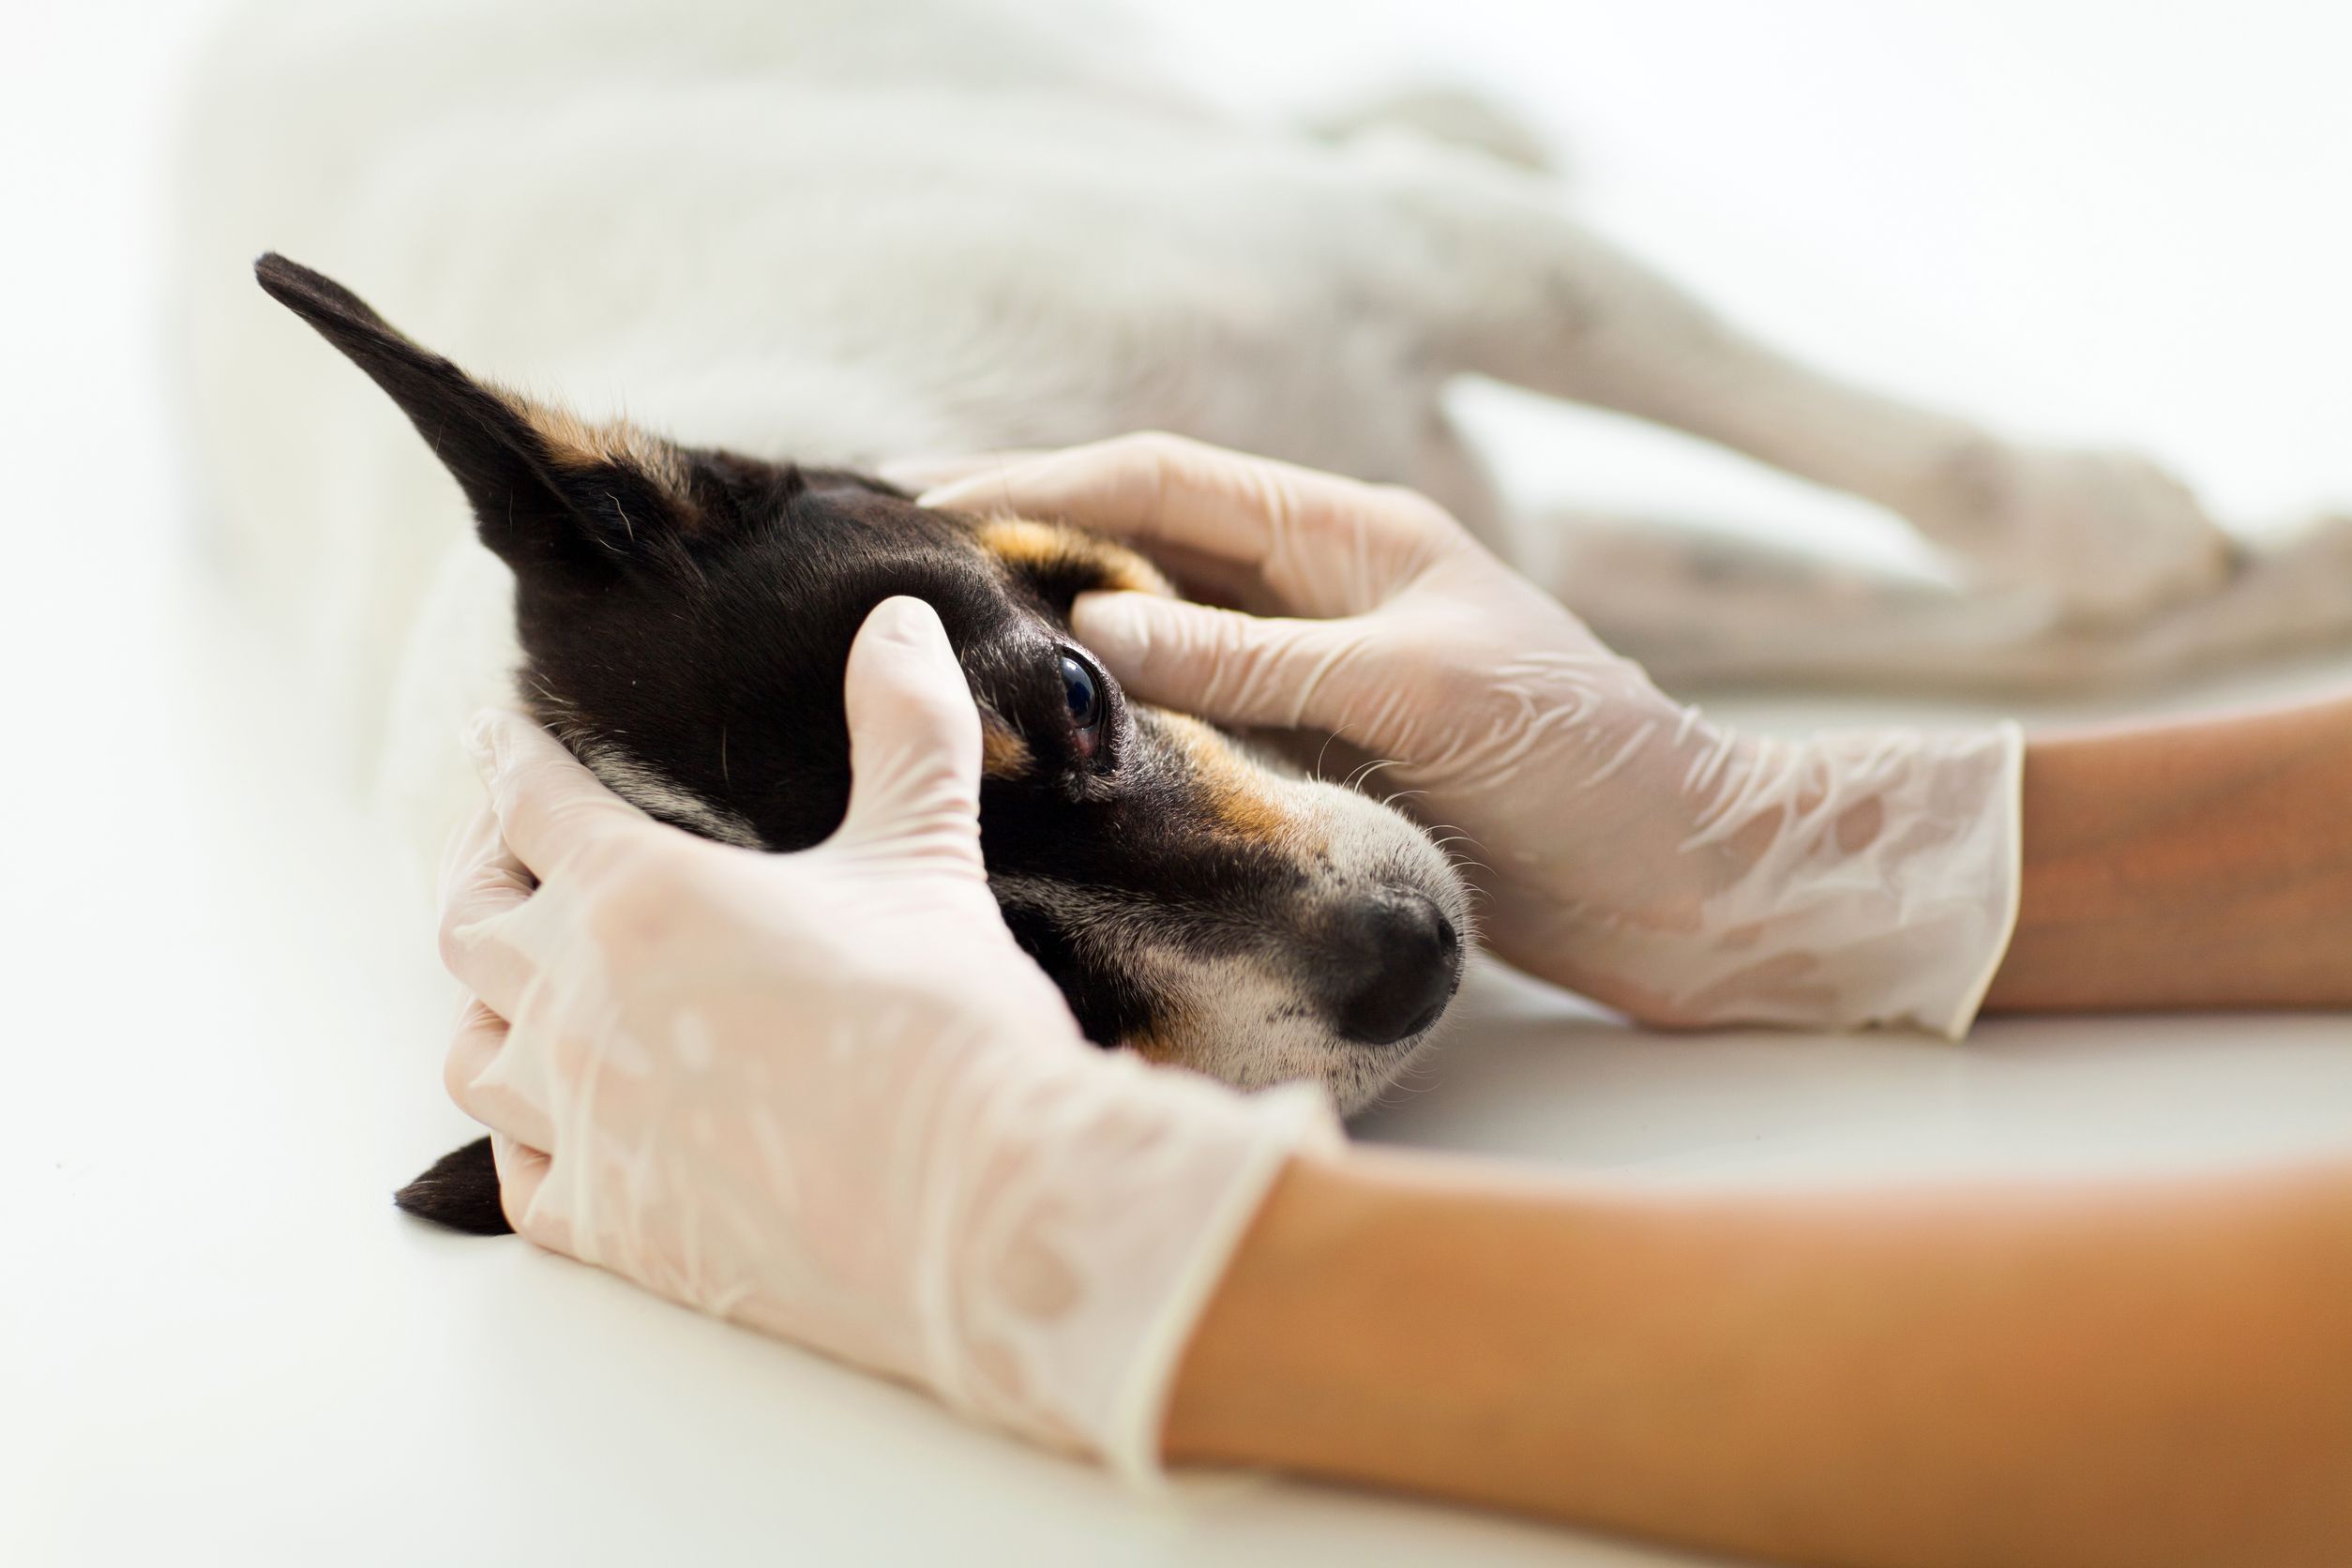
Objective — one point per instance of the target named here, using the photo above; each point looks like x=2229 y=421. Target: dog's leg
x=1444 y=114
x=1513 y=287
x=1704 y=607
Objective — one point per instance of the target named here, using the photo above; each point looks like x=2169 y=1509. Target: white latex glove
x=1627 y=847
x=826 y=1096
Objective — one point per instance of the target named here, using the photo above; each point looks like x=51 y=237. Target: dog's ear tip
x=460 y=1191
x=274 y=272
x=312 y=294
x=290 y=283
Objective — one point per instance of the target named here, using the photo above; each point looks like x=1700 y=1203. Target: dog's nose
x=1396 y=959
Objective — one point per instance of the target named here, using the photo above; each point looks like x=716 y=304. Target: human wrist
x=1849 y=880
x=1083 y=1256
x=1888 y=891
x=1279 y=1297
x=1915 y=940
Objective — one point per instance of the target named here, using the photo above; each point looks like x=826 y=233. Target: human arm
x=2198 y=863
x=2138 y=1374
x=1637 y=852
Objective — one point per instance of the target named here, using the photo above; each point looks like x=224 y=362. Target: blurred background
x=2112 y=222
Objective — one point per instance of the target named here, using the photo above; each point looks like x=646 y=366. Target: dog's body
x=837 y=232
x=845 y=232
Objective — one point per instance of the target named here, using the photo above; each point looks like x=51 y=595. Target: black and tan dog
x=686 y=617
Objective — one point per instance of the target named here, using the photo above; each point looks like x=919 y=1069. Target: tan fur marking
x=1161 y=1044
x=578 y=442
x=1003 y=753
x=1019 y=542
x=1234 y=792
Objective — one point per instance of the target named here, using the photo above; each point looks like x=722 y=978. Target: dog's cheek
x=1111 y=1006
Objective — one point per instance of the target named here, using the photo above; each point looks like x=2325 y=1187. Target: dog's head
x=686 y=618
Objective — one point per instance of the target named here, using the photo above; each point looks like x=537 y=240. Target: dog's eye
x=1084 y=695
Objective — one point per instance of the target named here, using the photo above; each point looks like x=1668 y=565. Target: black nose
x=1394 y=962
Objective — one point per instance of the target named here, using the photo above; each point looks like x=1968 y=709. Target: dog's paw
x=2108 y=538
x=2291 y=591
x=2288 y=594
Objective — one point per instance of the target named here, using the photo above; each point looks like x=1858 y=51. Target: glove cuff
x=1876 y=884
x=2003 y=848
x=1097 y=1214
x=1291 y=1119
x=1898 y=873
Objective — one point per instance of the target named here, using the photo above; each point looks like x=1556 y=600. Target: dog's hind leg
x=1446 y=113
x=1706 y=608
x=1512 y=286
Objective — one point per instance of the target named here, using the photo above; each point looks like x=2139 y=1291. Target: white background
x=217 y=1342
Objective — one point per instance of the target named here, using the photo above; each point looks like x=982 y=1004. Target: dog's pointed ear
x=549 y=491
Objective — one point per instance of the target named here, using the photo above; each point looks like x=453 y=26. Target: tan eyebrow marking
x=1002 y=752
x=1022 y=543
x=1232 y=787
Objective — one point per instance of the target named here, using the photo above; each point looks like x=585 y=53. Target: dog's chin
x=1355 y=1075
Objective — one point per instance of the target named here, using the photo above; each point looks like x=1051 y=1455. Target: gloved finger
x=475 y=841
x=469 y=1074
x=1223 y=665
x=483 y=882
x=1206 y=578
x=930 y=472
x=521 y=1171
x=915 y=737
x=1322 y=544
x=548 y=806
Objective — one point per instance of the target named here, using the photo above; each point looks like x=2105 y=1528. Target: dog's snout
x=1395 y=960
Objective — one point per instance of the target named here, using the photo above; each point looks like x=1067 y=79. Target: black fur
x=694 y=612
x=461 y=1191
x=530 y=510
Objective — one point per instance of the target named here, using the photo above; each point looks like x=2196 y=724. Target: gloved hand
x=1626 y=847
x=826 y=1094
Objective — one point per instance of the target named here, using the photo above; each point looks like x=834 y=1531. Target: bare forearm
x=2205 y=864
x=2146 y=1375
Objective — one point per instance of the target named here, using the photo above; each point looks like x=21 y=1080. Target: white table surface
x=219 y=1343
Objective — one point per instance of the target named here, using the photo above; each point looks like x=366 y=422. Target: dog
x=686 y=618
x=851 y=232
x=840 y=233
